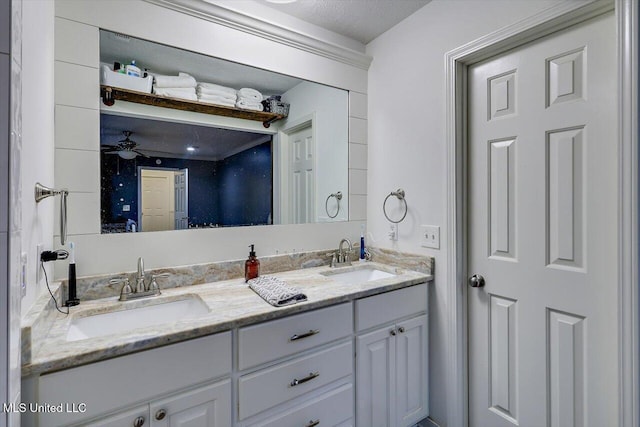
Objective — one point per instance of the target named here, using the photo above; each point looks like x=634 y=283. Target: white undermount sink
x=359 y=275
x=126 y=320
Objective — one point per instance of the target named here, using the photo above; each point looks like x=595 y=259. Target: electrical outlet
x=23 y=273
x=430 y=236
x=393 y=231
x=39 y=249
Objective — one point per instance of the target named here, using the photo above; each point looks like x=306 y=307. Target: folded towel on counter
x=214 y=88
x=219 y=100
x=249 y=93
x=275 y=291
x=249 y=105
x=181 y=80
x=176 y=92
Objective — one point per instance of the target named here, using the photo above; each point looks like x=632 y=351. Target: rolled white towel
x=182 y=93
x=218 y=100
x=249 y=105
x=182 y=80
x=215 y=87
x=249 y=93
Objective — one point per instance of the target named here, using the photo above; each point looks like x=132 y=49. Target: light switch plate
x=430 y=236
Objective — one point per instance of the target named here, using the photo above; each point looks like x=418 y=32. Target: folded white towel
x=218 y=100
x=218 y=88
x=163 y=90
x=215 y=92
x=182 y=93
x=249 y=105
x=182 y=80
x=249 y=93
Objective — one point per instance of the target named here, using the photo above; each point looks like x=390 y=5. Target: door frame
x=457 y=61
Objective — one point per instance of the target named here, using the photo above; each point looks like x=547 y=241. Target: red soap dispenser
x=251 y=266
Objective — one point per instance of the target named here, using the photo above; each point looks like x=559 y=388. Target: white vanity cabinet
x=308 y=377
x=208 y=406
x=177 y=378
x=392 y=358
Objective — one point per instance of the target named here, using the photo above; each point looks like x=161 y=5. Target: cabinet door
x=412 y=398
x=376 y=382
x=138 y=417
x=204 y=407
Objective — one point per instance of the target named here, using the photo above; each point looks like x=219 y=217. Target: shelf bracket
x=267 y=123
x=107 y=97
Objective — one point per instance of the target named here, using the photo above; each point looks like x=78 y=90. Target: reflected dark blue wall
x=246 y=187
x=233 y=191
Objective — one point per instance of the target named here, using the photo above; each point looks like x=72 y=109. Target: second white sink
x=358 y=275
x=123 y=321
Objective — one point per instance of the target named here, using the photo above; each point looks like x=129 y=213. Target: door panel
x=376 y=378
x=542 y=230
x=412 y=364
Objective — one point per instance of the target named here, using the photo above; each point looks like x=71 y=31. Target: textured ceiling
x=361 y=20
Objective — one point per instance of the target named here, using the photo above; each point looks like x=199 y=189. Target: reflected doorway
x=163 y=201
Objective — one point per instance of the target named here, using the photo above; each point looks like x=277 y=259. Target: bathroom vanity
x=353 y=353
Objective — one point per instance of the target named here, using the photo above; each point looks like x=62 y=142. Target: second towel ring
x=400 y=195
x=338 y=197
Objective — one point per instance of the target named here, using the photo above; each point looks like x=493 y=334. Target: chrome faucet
x=141 y=290
x=341 y=256
x=140 y=278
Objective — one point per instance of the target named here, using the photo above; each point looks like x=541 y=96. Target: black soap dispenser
x=251 y=266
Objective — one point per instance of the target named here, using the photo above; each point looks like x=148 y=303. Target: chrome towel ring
x=338 y=197
x=400 y=195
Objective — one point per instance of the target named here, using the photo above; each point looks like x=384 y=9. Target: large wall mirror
x=168 y=170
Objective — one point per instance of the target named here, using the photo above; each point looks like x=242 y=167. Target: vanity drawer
x=283 y=337
x=270 y=387
x=332 y=409
x=390 y=306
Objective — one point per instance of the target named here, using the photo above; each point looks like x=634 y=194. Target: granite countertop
x=231 y=303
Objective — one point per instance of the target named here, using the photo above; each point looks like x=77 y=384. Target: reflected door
x=302 y=176
x=181 y=200
x=157 y=202
x=542 y=224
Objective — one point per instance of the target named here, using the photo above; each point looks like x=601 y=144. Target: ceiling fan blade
x=140 y=154
x=109 y=148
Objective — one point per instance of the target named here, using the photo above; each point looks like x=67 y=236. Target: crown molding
x=267 y=30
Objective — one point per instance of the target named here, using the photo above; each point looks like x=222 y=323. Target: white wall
x=37 y=136
x=407 y=131
x=330 y=106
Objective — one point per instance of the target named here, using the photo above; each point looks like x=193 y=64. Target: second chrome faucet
x=141 y=289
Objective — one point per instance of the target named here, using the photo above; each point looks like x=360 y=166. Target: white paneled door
x=542 y=232
x=302 y=176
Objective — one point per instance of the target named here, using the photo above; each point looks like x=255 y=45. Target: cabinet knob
x=160 y=414
x=401 y=329
x=138 y=422
x=393 y=332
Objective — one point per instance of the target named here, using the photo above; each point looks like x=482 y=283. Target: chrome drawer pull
x=311 y=376
x=305 y=335
x=313 y=423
